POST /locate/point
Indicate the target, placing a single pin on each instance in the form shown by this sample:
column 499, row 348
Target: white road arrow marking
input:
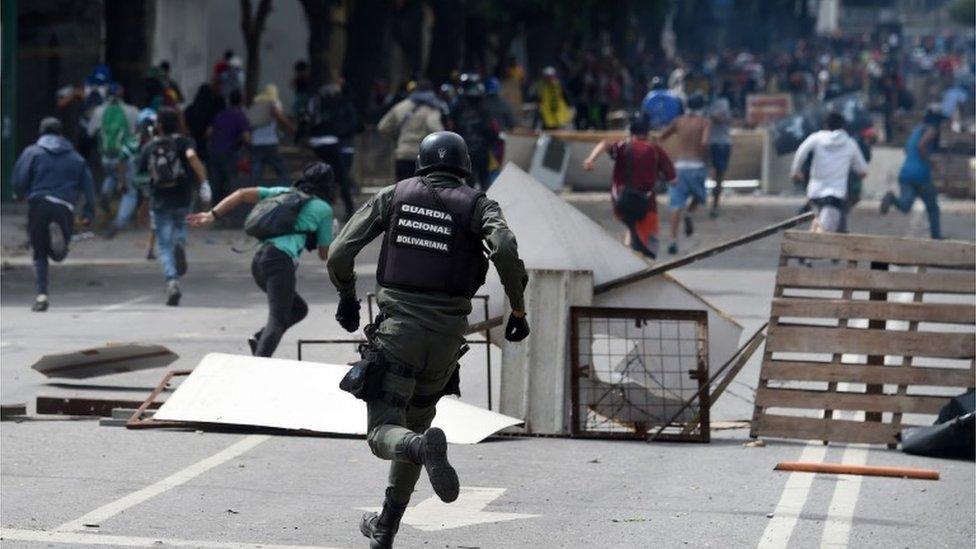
column 433, row 514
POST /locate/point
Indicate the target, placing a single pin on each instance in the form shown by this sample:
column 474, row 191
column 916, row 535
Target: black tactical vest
column 429, row 245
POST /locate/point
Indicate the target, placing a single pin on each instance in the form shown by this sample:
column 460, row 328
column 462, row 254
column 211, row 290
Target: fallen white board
column 101, row 361
column 552, row 234
column 299, row 395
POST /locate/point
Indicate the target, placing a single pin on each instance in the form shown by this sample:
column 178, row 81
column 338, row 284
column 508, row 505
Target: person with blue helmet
column 660, row 105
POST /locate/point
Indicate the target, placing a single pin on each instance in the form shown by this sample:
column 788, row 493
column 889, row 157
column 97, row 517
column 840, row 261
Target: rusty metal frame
column 138, row 421
column 699, row 374
column 485, row 325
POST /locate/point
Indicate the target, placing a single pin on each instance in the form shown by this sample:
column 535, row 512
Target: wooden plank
column 863, row 279
column 701, row 254
column 84, row 406
column 899, row 251
column 950, row 313
column 816, row 339
column 860, row 402
column 784, row 370
column 850, row 469
column 834, row 430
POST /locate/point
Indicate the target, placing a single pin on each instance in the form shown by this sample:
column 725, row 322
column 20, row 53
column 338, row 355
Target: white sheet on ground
column 300, row 395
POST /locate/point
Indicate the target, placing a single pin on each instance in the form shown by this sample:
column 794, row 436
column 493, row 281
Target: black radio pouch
column 365, row 377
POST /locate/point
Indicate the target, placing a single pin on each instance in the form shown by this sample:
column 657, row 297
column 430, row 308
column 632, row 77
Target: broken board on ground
column 299, row 395
column 101, row 361
column 552, row 234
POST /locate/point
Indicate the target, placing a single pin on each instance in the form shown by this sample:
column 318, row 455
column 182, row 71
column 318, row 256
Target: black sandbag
column 958, row 406
column 951, row 439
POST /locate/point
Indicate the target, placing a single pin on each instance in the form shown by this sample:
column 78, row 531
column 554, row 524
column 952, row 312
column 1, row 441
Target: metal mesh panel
column 633, row 369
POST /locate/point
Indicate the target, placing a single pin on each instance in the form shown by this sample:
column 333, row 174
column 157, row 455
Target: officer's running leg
column 403, row 475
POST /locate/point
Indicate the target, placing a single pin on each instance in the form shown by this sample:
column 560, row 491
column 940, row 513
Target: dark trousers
column 41, row 214
column 267, row 155
column 479, row 177
column 222, row 170
column 332, row 155
column 274, row 273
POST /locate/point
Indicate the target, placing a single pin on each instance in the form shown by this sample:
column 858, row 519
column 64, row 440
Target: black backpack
column 165, row 165
column 275, row 215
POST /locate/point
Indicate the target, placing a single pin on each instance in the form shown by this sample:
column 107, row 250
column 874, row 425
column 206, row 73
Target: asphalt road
column 72, row 483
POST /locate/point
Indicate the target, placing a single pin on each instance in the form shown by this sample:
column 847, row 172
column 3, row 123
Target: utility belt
column 365, row 378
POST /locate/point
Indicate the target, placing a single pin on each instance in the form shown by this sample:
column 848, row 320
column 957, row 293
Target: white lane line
column 180, row 477
column 124, row 304
column 88, row 540
column 780, row 527
column 840, row 516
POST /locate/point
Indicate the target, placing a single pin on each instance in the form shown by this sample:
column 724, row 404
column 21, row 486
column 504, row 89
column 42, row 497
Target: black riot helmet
column 444, row 151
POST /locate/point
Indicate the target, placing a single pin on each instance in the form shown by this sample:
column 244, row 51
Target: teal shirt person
column 275, row 263
column 315, row 216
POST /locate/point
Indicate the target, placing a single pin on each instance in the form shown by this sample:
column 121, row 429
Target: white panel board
column 115, row 358
column 300, row 395
column 549, row 162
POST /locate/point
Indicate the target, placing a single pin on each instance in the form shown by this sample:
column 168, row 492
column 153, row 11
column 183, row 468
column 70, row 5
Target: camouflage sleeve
column 366, row 224
column 502, row 250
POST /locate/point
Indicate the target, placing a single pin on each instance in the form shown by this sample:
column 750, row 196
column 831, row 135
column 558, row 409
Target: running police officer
column 438, row 237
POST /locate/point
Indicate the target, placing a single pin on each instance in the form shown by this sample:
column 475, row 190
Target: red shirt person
column 638, row 166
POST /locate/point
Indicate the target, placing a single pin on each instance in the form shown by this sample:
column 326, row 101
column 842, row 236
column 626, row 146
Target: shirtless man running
column 691, row 132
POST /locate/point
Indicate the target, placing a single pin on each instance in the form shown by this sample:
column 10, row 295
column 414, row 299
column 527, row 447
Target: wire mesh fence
column 633, row 370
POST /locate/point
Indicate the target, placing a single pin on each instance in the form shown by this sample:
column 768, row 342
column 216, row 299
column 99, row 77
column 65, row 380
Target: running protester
column 692, row 134
column 638, row 165
column 834, row 154
column 114, row 123
column 168, row 160
column 915, row 177
column 50, row 174
column 719, row 146
column 307, row 209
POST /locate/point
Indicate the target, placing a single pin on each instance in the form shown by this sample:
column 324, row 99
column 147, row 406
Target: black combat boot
column 381, row 528
column 430, row 450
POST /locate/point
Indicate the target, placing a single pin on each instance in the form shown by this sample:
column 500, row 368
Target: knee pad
column 373, row 442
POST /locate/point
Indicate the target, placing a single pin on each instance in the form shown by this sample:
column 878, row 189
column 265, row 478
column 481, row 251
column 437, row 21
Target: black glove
column 517, row 328
column 347, row 313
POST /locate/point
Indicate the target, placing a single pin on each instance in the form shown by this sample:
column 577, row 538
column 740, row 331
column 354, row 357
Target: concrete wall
column 746, row 161
column 180, row 36
column 193, row 35
column 284, row 41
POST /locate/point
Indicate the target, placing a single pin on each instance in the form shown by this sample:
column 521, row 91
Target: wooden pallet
column 832, row 325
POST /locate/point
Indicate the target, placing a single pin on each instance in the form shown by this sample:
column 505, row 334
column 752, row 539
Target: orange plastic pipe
column 869, row 470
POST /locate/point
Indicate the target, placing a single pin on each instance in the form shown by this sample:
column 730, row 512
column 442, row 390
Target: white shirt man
column 835, row 155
